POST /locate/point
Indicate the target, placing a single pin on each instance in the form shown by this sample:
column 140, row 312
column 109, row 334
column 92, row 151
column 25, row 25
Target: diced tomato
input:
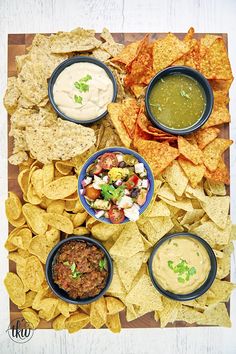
column 95, row 169
column 92, row 193
column 132, row 182
column 116, row 215
column 108, row 160
column 142, row 197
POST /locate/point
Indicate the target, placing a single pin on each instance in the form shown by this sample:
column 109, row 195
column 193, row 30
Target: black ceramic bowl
column 205, row 86
column 67, row 63
column 62, row 294
column 203, row 288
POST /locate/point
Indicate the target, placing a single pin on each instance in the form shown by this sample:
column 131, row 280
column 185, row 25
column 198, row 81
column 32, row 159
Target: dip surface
column 83, row 91
column 177, row 101
column 181, row 265
column 80, row 269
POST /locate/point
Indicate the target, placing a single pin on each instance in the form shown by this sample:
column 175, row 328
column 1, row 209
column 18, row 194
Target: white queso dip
column 83, row 91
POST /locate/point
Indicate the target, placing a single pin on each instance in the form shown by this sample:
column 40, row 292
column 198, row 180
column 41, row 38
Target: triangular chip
column 167, row 50
column 189, row 151
column 220, row 114
column 128, row 268
column 169, row 312
column 221, row 174
column 115, row 111
column 158, row 155
column 176, row 178
column 206, row 136
column 194, row 173
column 129, row 242
column 217, row 208
column 216, row 316
column 127, row 55
column 213, row 151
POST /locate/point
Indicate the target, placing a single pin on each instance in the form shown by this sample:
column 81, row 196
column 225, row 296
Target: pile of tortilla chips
column 51, row 210
column 190, row 177
column 141, row 61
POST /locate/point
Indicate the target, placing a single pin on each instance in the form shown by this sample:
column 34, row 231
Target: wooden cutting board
column 17, row 44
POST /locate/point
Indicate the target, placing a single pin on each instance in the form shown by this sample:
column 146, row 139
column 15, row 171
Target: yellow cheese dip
column 83, row 91
column 181, row 265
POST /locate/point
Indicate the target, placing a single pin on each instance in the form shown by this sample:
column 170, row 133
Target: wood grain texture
column 27, row 16
column 17, row 44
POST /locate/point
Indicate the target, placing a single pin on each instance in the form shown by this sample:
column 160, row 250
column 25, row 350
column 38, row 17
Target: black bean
column 134, row 193
column 122, row 164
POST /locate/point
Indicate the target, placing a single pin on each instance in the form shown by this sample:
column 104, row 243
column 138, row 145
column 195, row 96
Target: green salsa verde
column 177, row 101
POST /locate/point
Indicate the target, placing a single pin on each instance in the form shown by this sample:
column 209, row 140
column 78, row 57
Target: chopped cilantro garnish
column 157, row 105
column 110, row 192
column 78, row 99
column 75, row 273
column 81, row 84
column 184, row 272
column 184, row 94
column 102, row 263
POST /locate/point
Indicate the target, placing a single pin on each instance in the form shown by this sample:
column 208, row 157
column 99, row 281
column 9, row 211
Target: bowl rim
column 195, row 74
column 123, row 150
column 199, row 291
column 62, row 294
column 65, row 64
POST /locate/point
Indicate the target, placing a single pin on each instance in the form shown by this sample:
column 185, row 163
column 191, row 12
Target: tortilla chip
column 76, row 322
column 221, row 174
column 129, row 115
column 115, row 111
column 223, row 267
column 206, row 136
column 12, row 95
column 158, row 155
column 78, row 40
column 169, row 312
column 217, row 188
column 140, row 70
column 144, row 294
column 194, row 173
column 113, row 323
column 189, row 315
column 155, row 228
column 116, row 287
column 176, row 178
column 213, row 151
column 15, row 288
column 159, row 209
column 215, row 62
column 220, row 291
column 128, row 54
column 189, row 151
column 216, row 316
column 220, row 115
column 217, row 209
column 60, row 141
column 128, row 268
column 129, row 242
column 110, row 45
column 167, row 50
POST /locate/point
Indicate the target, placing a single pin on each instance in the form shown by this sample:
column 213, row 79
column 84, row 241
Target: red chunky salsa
column 80, row 269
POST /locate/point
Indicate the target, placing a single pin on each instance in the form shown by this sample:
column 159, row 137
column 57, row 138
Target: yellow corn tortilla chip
column 34, row 273
column 34, row 217
column 176, row 178
column 155, row 228
column 213, row 151
column 194, row 173
column 113, row 323
column 61, row 187
column 216, row 316
column 58, row 221
column 223, row 267
column 29, row 298
column 13, row 206
column 216, row 188
column 129, row 242
column 21, row 238
column 59, row 323
column 113, row 305
column 159, row 208
column 116, row 287
column 189, row 315
column 128, row 268
column 103, row 232
column 220, row 291
column 78, row 40
column 167, row 50
column 115, row 111
column 127, row 55
column 217, row 208
column 31, row 317
column 144, row 294
column 76, row 322
column 166, row 192
column 169, row 312
column 15, row 288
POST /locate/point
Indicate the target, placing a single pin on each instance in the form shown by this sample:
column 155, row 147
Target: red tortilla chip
column 189, row 151
column 158, row 155
column 221, row 174
column 140, row 70
column 215, row 64
column 205, row 136
column 219, row 115
column 128, row 54
column 213, row 152
column 167, row 50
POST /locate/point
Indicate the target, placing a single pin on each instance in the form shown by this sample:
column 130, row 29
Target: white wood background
column 25, row 16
